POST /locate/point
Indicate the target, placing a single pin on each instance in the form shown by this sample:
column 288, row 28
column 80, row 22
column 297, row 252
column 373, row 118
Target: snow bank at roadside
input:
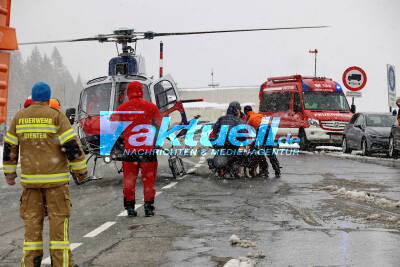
column 236, row 241
column 362, row 196
column 240, row 262
column 334, row 148
column 250, row 259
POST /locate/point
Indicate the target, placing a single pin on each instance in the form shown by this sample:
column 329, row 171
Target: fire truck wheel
column 304, row 143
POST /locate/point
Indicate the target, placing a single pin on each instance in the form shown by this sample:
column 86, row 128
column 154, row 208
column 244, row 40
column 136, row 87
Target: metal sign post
column 315, row 52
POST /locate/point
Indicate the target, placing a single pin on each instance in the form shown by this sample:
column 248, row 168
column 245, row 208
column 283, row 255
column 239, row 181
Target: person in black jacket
column 220, row 162
column 232, row 118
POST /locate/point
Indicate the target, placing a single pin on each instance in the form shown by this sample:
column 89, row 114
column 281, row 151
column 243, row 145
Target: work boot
column 149, row 208
column 130, row 207
column 131, row 212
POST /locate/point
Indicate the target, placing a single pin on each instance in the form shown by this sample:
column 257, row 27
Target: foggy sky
column 362, row 33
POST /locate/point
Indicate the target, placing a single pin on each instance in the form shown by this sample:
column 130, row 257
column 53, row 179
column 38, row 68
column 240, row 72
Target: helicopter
column 106, row 93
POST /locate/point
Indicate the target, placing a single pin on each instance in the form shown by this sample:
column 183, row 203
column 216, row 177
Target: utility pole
column 213, row 84
column 315, row 52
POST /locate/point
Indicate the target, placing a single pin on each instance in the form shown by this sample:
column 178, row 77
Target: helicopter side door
column 165, row 95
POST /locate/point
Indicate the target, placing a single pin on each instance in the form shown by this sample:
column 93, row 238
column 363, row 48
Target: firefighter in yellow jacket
column 48, row 149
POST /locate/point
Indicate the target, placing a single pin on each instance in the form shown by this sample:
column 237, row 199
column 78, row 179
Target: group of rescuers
column 41, row 138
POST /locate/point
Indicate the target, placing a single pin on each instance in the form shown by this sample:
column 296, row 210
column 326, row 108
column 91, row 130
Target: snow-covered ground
column 334, row 148
column 221, row 88
column 356, row 155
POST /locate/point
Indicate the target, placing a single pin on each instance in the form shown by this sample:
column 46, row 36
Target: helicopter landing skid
column 93, row 176
column 119, row 170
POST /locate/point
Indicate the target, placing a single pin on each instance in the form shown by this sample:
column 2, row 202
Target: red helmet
column 135, row 90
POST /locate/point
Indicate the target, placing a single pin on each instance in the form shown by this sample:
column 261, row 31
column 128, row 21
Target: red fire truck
column 314, row 109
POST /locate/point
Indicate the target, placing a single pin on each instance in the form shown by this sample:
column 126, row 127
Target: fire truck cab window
column 165, row 95
column 121, row 93
column 96, row 98
column 325, row 101
column 275, row 102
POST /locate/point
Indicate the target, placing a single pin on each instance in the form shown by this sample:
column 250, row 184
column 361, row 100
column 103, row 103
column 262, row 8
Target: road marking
column 100, row 229
column 47, row 261
column 190, row 171
column 123, row 214
column 170, row 185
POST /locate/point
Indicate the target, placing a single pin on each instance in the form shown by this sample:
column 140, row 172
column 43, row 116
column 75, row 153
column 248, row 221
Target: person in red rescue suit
column 139, row 156
column 48, row 149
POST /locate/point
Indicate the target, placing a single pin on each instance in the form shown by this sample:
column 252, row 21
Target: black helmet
column 247, row 109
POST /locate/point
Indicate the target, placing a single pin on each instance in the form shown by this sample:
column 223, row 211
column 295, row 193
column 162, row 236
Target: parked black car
column 369, row 132
column 394, row 140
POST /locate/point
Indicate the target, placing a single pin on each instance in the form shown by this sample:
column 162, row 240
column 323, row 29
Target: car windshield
column 96, row 98
column 121, row 96
column 376, row 120
column 325, row 101
column 275, row 102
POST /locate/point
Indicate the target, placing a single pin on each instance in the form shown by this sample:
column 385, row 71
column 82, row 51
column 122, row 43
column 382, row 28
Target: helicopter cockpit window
column 121, row 95
column 96, row 98
column 122, row 68
column 165, row 95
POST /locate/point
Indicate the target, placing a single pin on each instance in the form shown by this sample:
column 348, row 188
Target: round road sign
column 354, row 78
column 391, row 79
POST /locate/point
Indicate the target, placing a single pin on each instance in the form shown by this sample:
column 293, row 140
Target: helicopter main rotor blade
column 132, row 36
column 97, row 38
column 242, row 30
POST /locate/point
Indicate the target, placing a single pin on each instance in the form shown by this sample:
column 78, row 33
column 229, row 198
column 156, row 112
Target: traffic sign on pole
column 391, row 78
column 354, row 78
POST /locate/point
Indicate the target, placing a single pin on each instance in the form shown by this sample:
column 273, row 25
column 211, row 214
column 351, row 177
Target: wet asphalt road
column 293, row 220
